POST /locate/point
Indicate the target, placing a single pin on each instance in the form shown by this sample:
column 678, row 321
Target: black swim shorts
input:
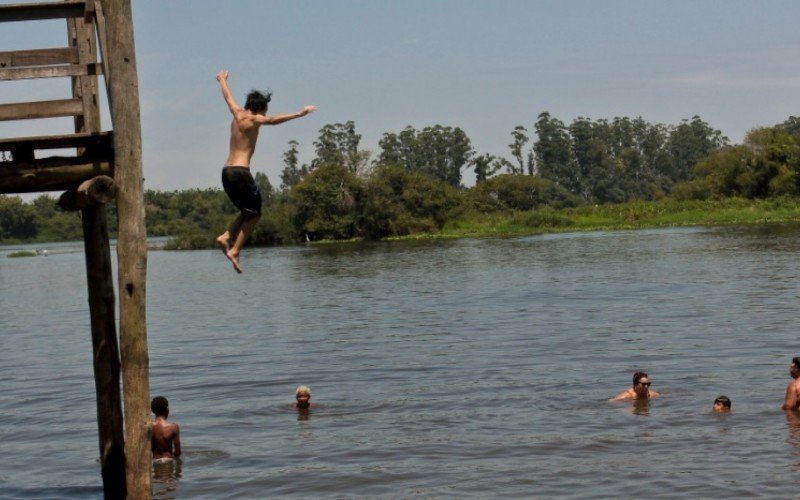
column 242, row 190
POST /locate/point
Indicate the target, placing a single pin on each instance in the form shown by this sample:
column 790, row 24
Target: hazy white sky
column 482, row 65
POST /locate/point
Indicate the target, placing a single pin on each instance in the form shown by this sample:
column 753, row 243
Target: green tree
column 519, row 192
column 338, row 144
column 517, row 146
column 327, row 202
column 17, row 219
column 486, row 165
column 553, row 154
column 688, row 143
column 399, row 202
column 265, row 186
column 292, row 172
column 438, row 151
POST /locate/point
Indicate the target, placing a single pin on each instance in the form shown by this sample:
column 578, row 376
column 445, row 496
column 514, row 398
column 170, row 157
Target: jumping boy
column 236, row 178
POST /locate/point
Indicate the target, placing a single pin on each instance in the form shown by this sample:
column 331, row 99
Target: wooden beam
column 96, row 191
column 100, row 140
column 106, row 350
column 49, row 174
column 102, row 41
column 39, row 57
column 41, row 11
column 119, row 59
column 81, row 34
column 50, row 71
column 41, row 109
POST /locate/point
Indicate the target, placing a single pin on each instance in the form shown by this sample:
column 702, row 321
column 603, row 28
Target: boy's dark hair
column 638, row 376
column 159, row 405
column 725, row 400
column 258, row 101
column 796, row 362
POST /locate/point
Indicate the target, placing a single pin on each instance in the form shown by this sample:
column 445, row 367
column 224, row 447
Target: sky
column 485, row 66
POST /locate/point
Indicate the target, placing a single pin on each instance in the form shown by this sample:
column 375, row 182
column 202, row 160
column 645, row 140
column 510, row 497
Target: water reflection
column 303, row 414
column 166, row 475
column 641, row 407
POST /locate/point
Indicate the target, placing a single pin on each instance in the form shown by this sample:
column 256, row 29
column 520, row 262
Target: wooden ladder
column 25, row 170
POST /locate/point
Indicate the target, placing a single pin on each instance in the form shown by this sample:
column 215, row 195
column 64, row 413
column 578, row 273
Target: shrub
column 519, row 192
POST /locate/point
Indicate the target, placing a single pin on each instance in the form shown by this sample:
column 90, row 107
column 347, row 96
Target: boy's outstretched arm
column 278, row 119
column 222, row 78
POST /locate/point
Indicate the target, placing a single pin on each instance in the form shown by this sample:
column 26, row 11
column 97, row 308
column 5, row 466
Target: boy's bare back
column 166, row 440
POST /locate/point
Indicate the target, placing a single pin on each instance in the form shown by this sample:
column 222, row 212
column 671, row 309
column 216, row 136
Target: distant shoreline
column 625, row 216
column 612, row 217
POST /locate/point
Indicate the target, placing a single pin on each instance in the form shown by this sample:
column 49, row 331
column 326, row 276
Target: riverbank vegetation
column 590, row 174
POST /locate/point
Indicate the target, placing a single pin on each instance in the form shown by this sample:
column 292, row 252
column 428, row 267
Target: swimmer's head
column 637, row 377
column 796, row 364
column 258, row 101
column 303, row 395
column 641, row 384
column 722, row 403
column 160, row 406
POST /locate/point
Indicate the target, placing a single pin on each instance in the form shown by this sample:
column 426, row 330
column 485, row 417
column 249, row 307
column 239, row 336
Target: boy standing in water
column 166, row 436
column 792, row 399
column 236, row 178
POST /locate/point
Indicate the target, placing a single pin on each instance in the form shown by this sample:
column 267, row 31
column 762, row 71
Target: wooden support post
column 120, row 59
column 105, row 348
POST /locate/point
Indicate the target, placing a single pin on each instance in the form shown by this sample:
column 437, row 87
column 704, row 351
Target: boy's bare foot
column 224, row 243
column 234, row 260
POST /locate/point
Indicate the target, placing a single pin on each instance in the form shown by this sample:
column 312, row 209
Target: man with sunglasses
column 640, row 389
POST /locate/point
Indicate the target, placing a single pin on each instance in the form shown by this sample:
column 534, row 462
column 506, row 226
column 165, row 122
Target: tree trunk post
column 106, row 351
column 123, row 85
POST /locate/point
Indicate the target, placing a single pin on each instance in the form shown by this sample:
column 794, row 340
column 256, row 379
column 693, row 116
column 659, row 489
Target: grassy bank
column 634, row 215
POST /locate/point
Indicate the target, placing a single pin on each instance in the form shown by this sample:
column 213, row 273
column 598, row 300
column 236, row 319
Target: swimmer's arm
column 222, row 78
column 278, row 119
column 176, row 442
column 654, row 394
column 790, row 402
column 621, row 396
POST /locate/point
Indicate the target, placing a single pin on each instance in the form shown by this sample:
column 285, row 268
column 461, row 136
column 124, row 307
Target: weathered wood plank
column 81, row 34
column 41, row 109
column 41, row 11
column 39, row 57
column 99, row 139
column 102, row 42
column 50, row 72
column 49, row 174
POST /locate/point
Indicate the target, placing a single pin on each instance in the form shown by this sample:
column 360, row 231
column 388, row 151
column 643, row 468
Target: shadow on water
column 641, row 407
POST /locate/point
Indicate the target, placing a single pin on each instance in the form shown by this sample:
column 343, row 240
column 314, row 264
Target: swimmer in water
column 722, row 404
column 640, row 389
column 166, row 437
column 792, row 399
column 302, row 396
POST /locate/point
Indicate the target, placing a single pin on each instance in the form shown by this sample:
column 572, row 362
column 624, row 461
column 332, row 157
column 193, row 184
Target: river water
column 468, row 368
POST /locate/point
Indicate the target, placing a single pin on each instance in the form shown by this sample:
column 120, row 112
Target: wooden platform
column 25, row 173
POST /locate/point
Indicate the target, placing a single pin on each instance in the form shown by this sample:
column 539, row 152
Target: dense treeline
column 414, row 182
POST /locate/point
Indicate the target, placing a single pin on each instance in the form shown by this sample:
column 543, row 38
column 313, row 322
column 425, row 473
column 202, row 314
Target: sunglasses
column 645, row 384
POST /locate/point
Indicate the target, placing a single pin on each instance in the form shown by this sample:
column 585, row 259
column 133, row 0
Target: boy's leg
column 226, row 239
column 246, row 227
